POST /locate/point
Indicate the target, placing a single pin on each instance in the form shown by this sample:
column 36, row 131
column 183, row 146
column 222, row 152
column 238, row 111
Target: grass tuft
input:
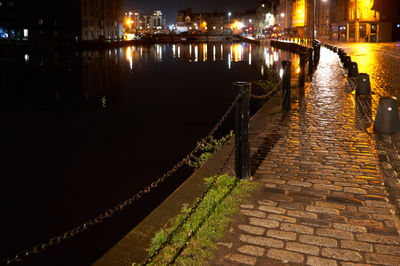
column 207, row 224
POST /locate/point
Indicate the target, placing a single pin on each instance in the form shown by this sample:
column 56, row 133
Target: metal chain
column 265, row 96
column 41, row 247
column 192, row 210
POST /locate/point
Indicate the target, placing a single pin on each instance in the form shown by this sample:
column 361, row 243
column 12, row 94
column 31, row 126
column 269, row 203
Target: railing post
column 310, row 61
column 242, row 118
column 286, row 66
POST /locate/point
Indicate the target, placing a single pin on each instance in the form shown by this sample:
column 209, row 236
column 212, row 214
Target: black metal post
column 286, row 65
column 310, row 61
column 242, row 117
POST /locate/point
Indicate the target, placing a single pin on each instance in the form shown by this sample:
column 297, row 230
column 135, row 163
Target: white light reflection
column 276, row 56
column 179, row 52
column 262, row 70
column 26, row 57
column 214, row 52
column 196, row 53
column 222, row 52
column 141, row 52
column 173, row 50
column 250, row 54
column 229, row 60
column 190, row 50
column 281, row 73
column 129, row 57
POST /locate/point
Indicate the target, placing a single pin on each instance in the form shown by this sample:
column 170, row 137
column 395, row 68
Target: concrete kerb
column 134, row 246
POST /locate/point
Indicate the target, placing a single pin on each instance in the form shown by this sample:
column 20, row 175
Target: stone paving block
column 251, row 250
column 318, row 240
column 261, row 241
column 251, row 229
column 334, row 233
column 331, row 218
column 356, row 215
column 344, row 199
column 313, row 222
column 328, row 187
column 297, row 228
column 379, row 204
column 383, row 231
column 273, row 180
column 239, row 258
column 253, row 213
column 272, row 209
column 374, row 238
column 300, row 206
column 382, row 217
column 268, row 202
column 382, row 259
column 284, row 235
column 299, row 184
column 302, row 214
column 341, row 254
column 388, row 249
column 285, row 256
column 316, row 261
column 302, row 248
column 330, row 205
column 318, row 209
column 247, row 206
column 366, row 222
column 356, row 245
column 375, row 210
column 349, row 227
column 282, row 218
column 268, row 223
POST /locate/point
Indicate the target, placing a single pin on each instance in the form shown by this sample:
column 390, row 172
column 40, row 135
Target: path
column 323, row 199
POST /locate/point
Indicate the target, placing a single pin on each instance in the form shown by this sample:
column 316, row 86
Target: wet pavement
column 323, row 197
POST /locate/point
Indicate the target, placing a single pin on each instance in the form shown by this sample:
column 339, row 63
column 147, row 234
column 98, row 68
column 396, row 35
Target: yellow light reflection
column 204, row 52
column 237, row 52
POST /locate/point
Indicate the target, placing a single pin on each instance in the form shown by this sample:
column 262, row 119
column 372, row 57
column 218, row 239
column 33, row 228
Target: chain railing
column 41, row 247
column 268, row 94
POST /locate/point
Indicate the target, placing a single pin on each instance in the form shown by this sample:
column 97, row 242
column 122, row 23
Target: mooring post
column 310, row 61
column 242, row 118
column 286, row 66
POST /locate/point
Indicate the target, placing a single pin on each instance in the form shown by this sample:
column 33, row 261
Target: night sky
column 171, row 7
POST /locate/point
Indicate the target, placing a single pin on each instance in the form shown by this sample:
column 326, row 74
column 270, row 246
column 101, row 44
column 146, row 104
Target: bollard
column 353, row 70
column 286, row 65
column 343, row 57
column 363, row 84
column 387, row 117
column 242, row 117
column 310, row 61
column 347, row 61
column 302, row 77
column 335, row 49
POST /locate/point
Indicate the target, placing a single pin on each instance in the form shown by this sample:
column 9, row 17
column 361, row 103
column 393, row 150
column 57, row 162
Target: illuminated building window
column 1, row 3
column 26, row 33
column 365, row 12
column 352, row 14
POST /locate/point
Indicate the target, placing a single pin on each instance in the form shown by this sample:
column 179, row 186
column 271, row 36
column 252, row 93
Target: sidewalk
column 322, row 197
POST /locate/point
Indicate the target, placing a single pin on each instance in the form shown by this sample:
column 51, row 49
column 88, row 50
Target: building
column 61, row 20
column 389, row 20
column 145, row 23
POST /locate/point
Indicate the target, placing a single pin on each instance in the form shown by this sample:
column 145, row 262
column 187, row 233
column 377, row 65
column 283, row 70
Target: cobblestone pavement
column 323, row 199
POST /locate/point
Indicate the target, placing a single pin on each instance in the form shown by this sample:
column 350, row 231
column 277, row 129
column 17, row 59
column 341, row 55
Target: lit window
column 26, row 33
column 1, row 3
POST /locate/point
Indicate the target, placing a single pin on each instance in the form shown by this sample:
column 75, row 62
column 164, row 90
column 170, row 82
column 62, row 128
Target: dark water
column 84, row 131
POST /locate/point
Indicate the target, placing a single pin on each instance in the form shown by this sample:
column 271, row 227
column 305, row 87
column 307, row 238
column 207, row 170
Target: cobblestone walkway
column 323, row 199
